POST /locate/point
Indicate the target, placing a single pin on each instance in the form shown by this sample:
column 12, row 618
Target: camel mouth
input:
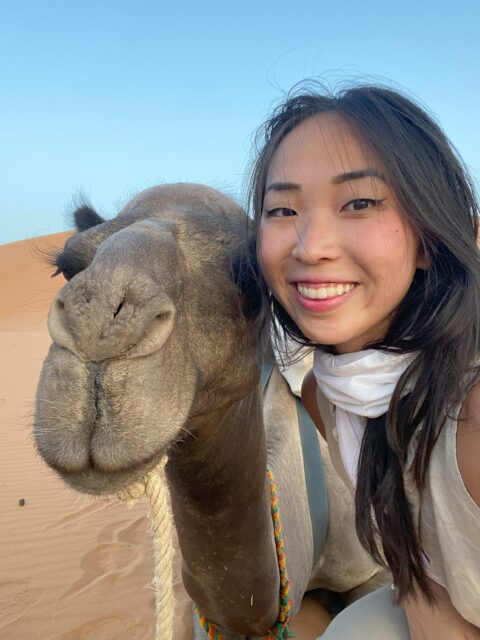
column 99, row 467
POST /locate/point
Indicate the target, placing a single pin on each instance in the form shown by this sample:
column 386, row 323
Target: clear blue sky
column 110, row 97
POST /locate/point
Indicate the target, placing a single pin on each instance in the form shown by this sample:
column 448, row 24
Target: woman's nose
column 317, row 239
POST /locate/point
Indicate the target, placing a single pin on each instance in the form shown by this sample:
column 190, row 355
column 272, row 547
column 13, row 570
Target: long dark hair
column 439, row 316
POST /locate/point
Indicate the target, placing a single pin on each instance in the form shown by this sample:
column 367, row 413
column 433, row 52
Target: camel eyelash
column 49, row 257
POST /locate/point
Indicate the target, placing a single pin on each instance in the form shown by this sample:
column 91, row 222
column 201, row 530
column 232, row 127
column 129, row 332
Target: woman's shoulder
column 468, row 442
column 450, row 507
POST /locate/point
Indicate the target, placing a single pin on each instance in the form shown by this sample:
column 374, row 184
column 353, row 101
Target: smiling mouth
column 323, row 292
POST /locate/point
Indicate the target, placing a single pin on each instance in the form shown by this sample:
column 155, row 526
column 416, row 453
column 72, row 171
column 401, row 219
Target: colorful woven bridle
column 280, row 630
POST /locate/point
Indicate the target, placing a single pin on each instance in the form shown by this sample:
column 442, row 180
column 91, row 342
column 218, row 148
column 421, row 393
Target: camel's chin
column 99, row 483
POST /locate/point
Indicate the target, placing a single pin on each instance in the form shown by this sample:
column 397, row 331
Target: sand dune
column 72, row 567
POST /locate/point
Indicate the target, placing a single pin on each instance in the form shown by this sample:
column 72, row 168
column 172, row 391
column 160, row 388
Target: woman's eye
column 279, row 212
column 361, row 204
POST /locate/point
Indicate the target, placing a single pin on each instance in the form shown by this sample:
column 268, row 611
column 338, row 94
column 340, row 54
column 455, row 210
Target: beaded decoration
column 279, row 631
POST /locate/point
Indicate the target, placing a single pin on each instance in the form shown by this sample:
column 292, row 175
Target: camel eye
column 68, row 275
column 66, row 267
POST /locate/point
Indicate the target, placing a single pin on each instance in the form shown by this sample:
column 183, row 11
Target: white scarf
column 360, row 385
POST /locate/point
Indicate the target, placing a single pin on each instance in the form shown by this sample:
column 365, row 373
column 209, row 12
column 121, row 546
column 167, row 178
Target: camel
column 157, row 349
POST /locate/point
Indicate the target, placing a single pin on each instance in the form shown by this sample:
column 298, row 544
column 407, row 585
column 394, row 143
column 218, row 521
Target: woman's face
column 334, row 247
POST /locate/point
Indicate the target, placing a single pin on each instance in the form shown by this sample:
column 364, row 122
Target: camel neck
column 227, row 448
column 221, row 505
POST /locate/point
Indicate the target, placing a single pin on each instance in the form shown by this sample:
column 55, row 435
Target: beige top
column 449, row 518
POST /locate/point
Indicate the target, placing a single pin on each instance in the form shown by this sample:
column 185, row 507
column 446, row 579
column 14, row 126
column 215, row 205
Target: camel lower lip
column 96, row 480
column 98, row 483
column 322, row 305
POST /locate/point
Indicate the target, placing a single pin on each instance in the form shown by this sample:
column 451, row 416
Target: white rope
column 154, row 488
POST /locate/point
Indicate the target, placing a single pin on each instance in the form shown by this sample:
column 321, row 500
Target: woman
column 366, row 225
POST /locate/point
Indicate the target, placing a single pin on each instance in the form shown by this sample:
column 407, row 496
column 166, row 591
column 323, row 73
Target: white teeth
column 321, row 293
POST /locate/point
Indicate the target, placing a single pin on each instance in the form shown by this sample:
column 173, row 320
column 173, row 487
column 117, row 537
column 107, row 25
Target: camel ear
column 246, row 275
column 86, row 217
column 423, row 259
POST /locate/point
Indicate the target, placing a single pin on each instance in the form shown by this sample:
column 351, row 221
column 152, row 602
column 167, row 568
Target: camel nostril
column 58, row 325
column 157, row 331
column 119, row 308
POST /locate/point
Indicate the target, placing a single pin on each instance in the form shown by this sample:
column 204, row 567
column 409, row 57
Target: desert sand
column 72, row 567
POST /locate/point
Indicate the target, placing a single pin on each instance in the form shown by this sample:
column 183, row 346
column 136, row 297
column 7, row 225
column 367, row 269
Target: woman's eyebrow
column 340, row 179
column 283, row 186
column 358, row 175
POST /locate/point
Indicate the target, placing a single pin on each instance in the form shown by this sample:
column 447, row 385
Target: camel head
column 151, row 335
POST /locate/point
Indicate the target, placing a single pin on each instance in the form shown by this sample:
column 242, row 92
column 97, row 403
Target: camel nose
column 102, row 321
